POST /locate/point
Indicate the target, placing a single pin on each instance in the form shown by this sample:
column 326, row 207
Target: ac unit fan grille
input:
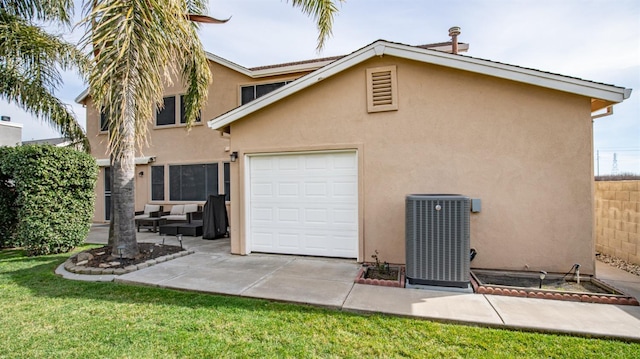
column 437, row 239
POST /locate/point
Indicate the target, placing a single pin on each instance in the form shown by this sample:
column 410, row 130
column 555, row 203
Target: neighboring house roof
column 291, row 67
column 603, row 94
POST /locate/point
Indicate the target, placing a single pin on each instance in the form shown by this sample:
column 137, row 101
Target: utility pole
column 598, row 162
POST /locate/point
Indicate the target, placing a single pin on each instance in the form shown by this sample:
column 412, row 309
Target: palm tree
column 137, row 45
column 30, row 58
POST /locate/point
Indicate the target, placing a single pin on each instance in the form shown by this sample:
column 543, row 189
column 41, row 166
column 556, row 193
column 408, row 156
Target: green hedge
column 47, row 197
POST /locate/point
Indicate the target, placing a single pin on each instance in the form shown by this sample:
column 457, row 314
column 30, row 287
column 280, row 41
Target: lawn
column 44, row 316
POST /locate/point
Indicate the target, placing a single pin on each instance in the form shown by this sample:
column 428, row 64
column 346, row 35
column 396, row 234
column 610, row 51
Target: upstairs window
column 183, row 117
column 104, row 125
column 252, row 92
column 167, row 116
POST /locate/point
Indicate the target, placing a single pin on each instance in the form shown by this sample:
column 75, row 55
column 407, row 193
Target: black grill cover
column 214, row 218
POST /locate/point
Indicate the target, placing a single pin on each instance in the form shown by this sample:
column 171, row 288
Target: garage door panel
column 313, row 209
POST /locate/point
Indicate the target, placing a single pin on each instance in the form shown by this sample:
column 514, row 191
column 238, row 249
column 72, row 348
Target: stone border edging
column 73, row 268
column 360, row 279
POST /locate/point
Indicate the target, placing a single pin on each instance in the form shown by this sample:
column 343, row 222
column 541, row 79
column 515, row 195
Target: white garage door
column 304, row 204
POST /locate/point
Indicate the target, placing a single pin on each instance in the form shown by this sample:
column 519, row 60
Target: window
column 183, row 117
column 167, row 115
column 252, row 92
column 227, row 182
column 193, row 182
column 104, row 125
column 157, row 183
column 382, row 93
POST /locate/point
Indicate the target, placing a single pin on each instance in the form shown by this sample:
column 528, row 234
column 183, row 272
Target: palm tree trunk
column 123, row 192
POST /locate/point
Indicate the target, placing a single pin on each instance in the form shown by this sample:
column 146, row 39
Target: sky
column 596, row 40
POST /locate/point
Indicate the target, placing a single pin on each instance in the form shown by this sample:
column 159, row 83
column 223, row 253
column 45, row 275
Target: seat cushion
column 148, row 208
column 175, row 217
column 177, row 209
column 188, row 208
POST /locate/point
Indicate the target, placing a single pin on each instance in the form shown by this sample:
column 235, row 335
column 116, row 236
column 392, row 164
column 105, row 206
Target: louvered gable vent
column 382, row 89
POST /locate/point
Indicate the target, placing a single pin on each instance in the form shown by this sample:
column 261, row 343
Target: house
column 324, row 163
column 10, row 132
column 180, row 166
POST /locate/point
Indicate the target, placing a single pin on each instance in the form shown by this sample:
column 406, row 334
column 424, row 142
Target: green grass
column 44, row 316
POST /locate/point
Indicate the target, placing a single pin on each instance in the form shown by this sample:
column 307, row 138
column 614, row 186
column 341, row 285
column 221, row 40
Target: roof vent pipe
column 454, row 32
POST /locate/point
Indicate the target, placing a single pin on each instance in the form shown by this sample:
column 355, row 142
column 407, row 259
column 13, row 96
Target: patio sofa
column 181, row 213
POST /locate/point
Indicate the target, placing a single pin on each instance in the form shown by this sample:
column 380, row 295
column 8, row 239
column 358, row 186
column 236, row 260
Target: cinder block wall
column 618, row 219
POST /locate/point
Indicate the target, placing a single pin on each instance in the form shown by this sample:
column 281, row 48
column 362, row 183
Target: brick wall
column 618, row 219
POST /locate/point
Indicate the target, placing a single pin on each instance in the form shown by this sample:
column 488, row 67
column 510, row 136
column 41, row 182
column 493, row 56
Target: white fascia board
column 104, row 162
column 514, row 73
column 82, row 96
column 226, row 63
column 295, row 86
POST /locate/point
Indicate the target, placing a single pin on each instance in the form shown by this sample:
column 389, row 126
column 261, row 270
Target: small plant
column 381, row 267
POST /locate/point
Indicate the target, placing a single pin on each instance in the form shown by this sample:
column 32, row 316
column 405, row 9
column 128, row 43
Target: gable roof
column 256, row 72
column 602, row 95
column 291, row 67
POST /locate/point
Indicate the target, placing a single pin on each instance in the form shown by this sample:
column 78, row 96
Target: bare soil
column 102, row 257
column 376, row 273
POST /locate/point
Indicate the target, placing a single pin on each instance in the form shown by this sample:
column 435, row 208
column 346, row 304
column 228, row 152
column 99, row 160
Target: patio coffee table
column 151, row 223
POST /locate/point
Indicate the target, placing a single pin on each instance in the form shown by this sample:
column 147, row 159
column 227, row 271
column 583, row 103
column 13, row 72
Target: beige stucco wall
column 618, row 219
column 526, row 152
column 174, row 144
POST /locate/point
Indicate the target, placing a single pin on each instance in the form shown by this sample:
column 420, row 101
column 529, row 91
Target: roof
column 256, row 72
column 291, row 67
column 49, row 141
column 603, row 94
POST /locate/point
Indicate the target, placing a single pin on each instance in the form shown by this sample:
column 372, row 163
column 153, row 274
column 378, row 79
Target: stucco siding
column 172, row 145
column 523, row 150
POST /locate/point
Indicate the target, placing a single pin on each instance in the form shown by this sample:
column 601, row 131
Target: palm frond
column 30, row 61
column 35, row 98
column 138, row 46
column 45, row 10
column 323, row 12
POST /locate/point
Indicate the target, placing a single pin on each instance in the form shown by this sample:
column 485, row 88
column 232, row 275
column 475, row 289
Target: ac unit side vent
column 438, row 240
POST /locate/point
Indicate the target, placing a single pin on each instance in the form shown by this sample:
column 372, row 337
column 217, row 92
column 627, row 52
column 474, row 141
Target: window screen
column 157, row 183
column 227, row 182
column 183, row 117
column 167, row 115
column 193, row 182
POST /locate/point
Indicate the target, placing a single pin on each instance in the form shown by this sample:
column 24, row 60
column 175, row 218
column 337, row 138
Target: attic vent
column 382, row 94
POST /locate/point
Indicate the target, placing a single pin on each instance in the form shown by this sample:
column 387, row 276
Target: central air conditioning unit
column 438, row 240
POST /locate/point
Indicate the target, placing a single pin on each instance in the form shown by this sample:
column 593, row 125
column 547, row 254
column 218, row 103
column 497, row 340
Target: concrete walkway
column 329, row 283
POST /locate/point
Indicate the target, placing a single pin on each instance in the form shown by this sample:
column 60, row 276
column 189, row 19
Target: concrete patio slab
column 607, row 320
column 213, row 280
column 329, row 283
column 284, row 286
column 322, row 268
column 430, row 304
column 624, row 281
